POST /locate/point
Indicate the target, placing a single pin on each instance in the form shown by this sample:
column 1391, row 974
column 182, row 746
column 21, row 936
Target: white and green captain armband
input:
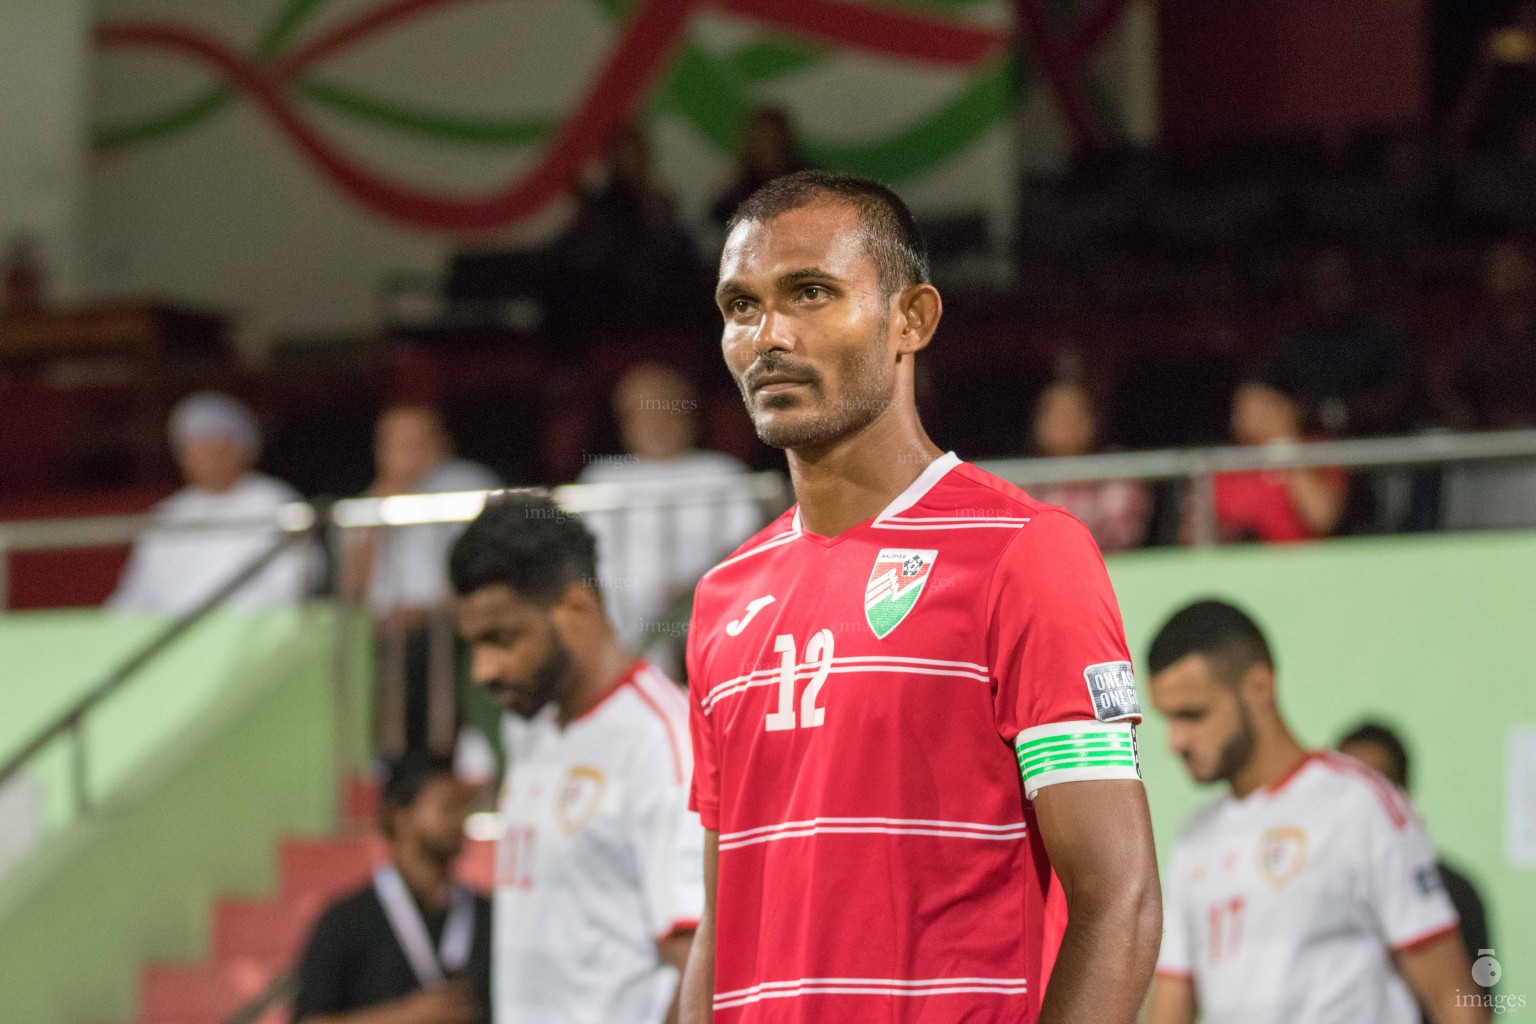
column 1074, row 751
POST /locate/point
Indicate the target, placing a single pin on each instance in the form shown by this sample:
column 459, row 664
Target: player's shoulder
column 651, row 711
column 761, row 543
column 1354, row 792
column 968, row 491
column 972, row 492
column 1046, row 537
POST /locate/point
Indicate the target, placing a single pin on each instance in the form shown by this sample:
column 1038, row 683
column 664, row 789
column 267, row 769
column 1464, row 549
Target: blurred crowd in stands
column 1257, row 292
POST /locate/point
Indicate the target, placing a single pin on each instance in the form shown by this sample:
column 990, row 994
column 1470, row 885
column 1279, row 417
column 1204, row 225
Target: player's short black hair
column 1385, row 738
column 1221, row 632
column 524, row 541
column 890, row 232
column 408, row 775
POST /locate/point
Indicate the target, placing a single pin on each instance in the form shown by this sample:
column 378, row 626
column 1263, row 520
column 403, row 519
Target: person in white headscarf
column 216, row 443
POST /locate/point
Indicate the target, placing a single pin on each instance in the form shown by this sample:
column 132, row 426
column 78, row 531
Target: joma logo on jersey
column 895, row 583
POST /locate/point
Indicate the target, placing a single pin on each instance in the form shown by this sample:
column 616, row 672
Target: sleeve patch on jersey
column 1112, row 689
column 1075, row 751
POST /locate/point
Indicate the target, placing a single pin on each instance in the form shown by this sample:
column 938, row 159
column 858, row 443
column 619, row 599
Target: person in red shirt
column 1281, row 504
column 1066, row 426
column 912, row 709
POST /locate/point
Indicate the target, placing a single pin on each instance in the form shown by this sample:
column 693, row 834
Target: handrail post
column 341, row 664
column 79, row 768
column 1202, row 506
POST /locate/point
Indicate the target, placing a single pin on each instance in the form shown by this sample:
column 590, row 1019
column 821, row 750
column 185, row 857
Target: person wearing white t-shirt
column 216, row 443
column 1307, row 894
column 599, row 878
column 651, row 557
column 402, row 573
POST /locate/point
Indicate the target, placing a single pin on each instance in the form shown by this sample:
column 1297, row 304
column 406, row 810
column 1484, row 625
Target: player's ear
column 918, row 308
column 1259, row 685
column 579, row 601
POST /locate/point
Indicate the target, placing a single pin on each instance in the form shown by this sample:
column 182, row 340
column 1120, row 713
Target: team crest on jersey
column 578, row 798
column 1282, row 853
column 895, row 584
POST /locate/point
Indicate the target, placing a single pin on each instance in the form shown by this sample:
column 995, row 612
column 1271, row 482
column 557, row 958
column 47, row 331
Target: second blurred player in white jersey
column 1308, row 893
column 599, row 879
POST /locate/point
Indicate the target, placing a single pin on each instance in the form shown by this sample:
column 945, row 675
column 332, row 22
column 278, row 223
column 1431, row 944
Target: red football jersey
column 863, row 707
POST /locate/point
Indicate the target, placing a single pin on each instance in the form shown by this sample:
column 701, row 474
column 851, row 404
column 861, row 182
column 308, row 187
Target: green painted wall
column 1436, row 635
column 248, row 761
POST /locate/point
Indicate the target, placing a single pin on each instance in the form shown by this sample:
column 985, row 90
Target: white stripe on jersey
column 950, row 523
column 852, row 663
column 868, row 987
column 877, row 826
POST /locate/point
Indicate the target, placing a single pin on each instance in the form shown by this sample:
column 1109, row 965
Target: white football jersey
column 599, row 858
column 1285, row 907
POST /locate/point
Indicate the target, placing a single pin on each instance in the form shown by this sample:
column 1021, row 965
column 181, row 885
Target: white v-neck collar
column 931, row 475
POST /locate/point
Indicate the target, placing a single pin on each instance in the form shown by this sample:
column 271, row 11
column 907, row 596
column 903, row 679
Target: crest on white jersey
column 1282, row 854
column 579, row 796
column 895, row 584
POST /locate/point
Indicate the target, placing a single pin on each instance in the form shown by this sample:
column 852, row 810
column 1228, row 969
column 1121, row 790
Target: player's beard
column 1237, row 751
column 549, row 681
column 867, row 382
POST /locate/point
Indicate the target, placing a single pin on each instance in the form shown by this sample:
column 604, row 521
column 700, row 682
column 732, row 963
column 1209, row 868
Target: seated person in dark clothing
column 626, row 262
column 1352, row 369
column 1493, row 384
column 413, row 946
column 1497, row 108
column 1378, row 747
column 768, row 151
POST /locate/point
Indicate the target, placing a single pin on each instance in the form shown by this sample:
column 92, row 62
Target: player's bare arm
column 697, row 995
column 1437, row 973
column 1172, row 1001
column 1098, row 834
column 673, row 951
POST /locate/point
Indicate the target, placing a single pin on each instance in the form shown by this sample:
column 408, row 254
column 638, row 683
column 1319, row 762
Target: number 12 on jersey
column 818, row 656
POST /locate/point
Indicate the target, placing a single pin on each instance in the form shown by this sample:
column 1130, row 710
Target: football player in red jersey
column 912, row 708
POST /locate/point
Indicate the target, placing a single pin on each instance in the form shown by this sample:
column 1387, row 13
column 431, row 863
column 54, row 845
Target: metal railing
column 622, row 502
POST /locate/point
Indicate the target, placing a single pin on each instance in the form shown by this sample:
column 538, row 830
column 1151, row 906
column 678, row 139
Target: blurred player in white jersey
column 1308, row 893
column 599, row 866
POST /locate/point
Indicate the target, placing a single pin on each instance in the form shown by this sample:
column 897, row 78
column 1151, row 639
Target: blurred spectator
column 22, row 276
column 1352, row 371
column 650, row 558
column 1493, row 386
column 768, row 151
column 413, row 946
column 1282, row 504
column 1115, row 511
column 1497, row 109
column 626, row 263
column 216, row 442
column 402, row 573
column 1381, row 749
